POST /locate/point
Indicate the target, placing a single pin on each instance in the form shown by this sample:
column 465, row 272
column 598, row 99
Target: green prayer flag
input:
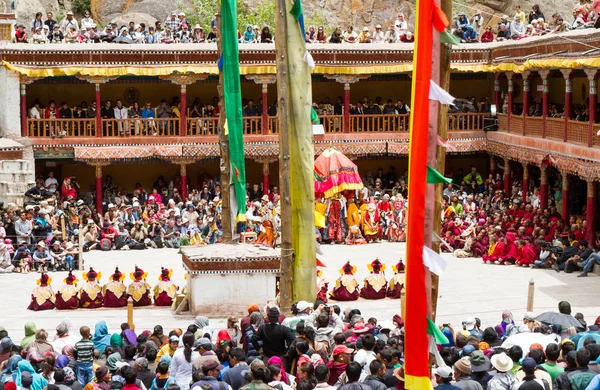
column 296, row 9
column 449, row 38
column 314, row 118
column 233, row 103
column 438, row 336
column 434, row 177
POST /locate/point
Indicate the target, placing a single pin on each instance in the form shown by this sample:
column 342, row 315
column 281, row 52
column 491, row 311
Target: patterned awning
column 115, row 153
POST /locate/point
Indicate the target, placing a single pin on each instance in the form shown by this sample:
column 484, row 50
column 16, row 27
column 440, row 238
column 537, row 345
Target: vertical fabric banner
column 301, row 155
column 233, row 104
column 416, row 369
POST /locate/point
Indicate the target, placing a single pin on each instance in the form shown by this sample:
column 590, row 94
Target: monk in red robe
column 165, row 291
column 511, row 253
column 346, row 286
column 397, row 281
column 527, row 254
column 66, row 296
column 375, row 285
column 42, row 297
column 90, row 295
column 480, row 247
column 114, row 291
column 495, row 250
column 139, row 289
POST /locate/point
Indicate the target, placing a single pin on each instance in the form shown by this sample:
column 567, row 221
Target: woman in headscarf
column 10, row 371
column 38, row 383
column 69, row 352
column 37, row 350
column 275, row 360
column 129, row 337
column 30, row 330
column 101, row 337
column 204, row 330
column 111, row 362
column 116, row 342
column 158, row 337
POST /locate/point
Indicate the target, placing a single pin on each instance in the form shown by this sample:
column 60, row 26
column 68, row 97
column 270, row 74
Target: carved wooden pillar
column 526, row 93
column 347, row 80
column 264, row 80
column 565, row 197
column 25, row 80
column 545, row 102
column 507, row 186
column 97, row 80
column 183, row 80
column 568, row 100
column 591, row 75
column 525, row 181
column 509, row 93
column 497, row 91
column 543, row 186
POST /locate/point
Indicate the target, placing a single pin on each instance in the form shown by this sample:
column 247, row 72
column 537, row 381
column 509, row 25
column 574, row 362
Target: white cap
column 303, row 305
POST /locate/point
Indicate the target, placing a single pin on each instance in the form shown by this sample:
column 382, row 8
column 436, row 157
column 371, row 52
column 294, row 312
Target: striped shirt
column 84, row 351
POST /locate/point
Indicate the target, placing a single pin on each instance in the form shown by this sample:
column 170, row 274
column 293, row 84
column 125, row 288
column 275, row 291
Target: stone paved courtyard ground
column 468, row 288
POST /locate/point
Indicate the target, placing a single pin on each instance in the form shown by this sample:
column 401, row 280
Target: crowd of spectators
column 317, row 347
column 473, row 29
column 176, row 29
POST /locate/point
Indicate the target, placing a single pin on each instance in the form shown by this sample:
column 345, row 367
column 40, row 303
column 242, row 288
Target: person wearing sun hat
column 139, row 289
column 114, row 290
column 480, row 365
column 66, row 296
column 165, row 291
column 346, row 286
column 42, row 297
column 503, row 378
column 90, row 294
column 462, row 375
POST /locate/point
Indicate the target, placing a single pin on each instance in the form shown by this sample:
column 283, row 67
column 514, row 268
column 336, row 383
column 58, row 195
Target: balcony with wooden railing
column 516, row 124
column 534, row 126
column 555, row 128
column 577, row 132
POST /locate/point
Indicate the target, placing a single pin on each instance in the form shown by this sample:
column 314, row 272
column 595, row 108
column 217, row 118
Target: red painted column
column 98, row 118
column 525, row 181
column 545, row 101
column 23, row 110
column 183, row 109
column 509, row 93
column 507, row 186
column 497, row 92
column 99, row 189
column 265, row 109
column 591, row 73
column 568, row 100
column 266, row 180
column 591, row 213
column 525, row 100
column 184, row 186
column 565, row 197
column 544, row 187
column 346, row 107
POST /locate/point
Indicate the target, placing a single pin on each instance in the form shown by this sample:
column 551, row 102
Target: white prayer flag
column 439, row 94
column 309, row 60
column 432, row 260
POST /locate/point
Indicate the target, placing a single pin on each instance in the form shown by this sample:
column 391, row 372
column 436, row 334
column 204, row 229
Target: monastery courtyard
column 467, row 288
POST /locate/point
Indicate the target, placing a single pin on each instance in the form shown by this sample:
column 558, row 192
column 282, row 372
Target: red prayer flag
column 440, row 21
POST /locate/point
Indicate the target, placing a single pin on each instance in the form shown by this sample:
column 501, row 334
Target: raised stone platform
column 223, row 278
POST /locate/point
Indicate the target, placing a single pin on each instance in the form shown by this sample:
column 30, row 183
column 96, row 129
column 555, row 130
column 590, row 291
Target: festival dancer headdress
column 44, row 280
column 165, row 274
column 117, row 276
column 376, row 266
column 92, row 275
column 348, row 269
column 71, row 279
column 138, row 274
column 398, row 268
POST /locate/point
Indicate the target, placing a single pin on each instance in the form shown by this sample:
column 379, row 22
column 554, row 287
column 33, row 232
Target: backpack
column 105, row 244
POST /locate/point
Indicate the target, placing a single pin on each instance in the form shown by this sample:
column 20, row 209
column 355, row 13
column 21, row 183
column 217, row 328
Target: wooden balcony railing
column 534, row 126
column 555, row 128
column 378, row 123
column 503, row 122
column 140, row 127
column 516, row 124
column 202, row 126
column 577, row 131
column 59, row 128
column 465, row 121
column 333, row 123
column 596, row 138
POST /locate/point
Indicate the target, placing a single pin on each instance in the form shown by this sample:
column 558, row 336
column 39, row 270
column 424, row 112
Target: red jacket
column 47, row 112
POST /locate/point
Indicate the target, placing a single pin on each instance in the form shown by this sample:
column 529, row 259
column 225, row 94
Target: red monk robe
column 90, row 295
column 495, row 250
column 527, row 254
column 66, row 296
column 139, row 289
column 165, row 291
column 511, row 253
column 375, row 285
column 397, row 281
column 346, row 286
column 322, row 287
column 114, row 291
column 42, row 297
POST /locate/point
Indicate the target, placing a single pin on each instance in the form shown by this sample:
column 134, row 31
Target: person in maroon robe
column 346, row 286
column 90, row 295
column 165, row 291
column 527, row 254
column 480, row 247
column 322, row 287
column 115, row 291
column 495, row 250
column 396, row 285
column 42, row 297
column 66, row 296
column 375, row 284
column 511, row 253
column 139, row 289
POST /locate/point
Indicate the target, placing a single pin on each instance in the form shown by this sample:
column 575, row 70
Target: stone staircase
column 16, row 177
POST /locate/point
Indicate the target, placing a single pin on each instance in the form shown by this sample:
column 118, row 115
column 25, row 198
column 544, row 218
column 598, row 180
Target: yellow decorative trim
column 417, row 382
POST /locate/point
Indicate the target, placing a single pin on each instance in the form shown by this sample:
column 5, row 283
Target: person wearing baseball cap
column 211, row 370
column 342, row 355
column 303, row 309
column 443, row 377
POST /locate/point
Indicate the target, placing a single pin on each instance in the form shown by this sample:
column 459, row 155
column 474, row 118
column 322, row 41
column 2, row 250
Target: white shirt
column 364, row 358
column 34, row 113
column 62, row 342
column 181, row 369
column 377, row 38
column 51, row 184
column 87, row 23
column 120, row 113
column 402, row 25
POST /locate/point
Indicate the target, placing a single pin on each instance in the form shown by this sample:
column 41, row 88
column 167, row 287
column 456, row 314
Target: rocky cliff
column 330, row 13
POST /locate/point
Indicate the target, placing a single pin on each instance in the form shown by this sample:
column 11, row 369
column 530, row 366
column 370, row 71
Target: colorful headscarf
column 101, row 337
column 277, row 361
column 130, row 336
column 116, row 340
column 39, row 382
column 62, row 361
column 69, row 376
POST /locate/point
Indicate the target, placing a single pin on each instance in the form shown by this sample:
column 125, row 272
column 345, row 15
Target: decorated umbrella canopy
column 335, row 173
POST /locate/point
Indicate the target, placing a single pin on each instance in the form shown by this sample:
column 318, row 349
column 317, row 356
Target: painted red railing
column 59, row 128
column 577, row 132
column 503, row 122
column 555, row 128
column 516, row 124
column 534, row 126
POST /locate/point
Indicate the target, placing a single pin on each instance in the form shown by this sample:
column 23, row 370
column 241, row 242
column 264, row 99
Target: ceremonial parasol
column 335, row 173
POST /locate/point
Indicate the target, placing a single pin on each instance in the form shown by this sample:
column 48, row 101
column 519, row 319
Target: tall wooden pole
column 444, row 83
column 225, row 162
column 285, row 203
